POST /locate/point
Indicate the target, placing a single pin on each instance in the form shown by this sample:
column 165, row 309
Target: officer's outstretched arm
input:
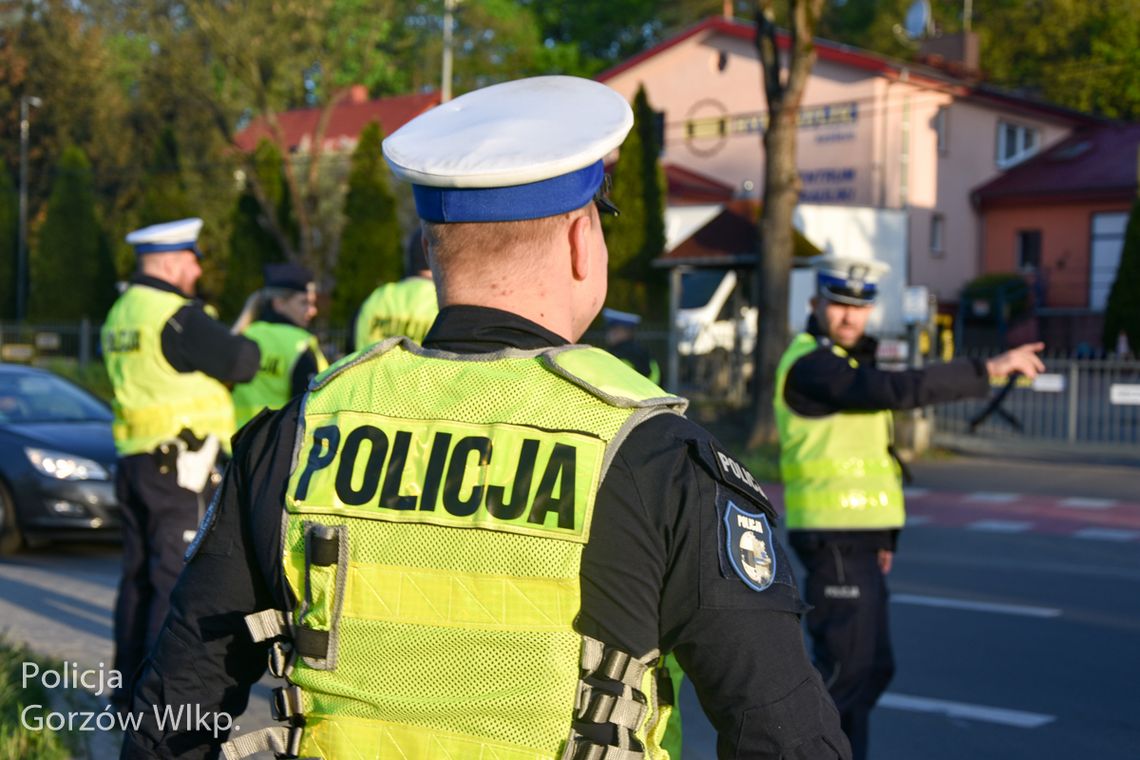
column 204, row 661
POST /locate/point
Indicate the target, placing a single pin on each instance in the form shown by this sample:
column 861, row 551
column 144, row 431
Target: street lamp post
column 22, row 243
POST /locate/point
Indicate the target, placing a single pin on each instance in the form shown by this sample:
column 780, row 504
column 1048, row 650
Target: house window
column 1029, row 249
column 1015, row 143
column 941, row 126
column 937, row 235
column 1105, row 245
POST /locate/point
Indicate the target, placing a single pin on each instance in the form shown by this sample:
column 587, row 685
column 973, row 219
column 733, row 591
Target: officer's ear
column 581, row 238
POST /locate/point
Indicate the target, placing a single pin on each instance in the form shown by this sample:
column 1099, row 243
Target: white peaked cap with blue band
column 519, row 150
column 181, row 235
column 847, row 279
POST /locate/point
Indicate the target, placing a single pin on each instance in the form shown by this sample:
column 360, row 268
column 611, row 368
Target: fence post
column 672, row 360
column 84, row 343
column 1074, row 396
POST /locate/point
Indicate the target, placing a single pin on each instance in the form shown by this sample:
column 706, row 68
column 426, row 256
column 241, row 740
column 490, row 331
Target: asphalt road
column 1016, row 613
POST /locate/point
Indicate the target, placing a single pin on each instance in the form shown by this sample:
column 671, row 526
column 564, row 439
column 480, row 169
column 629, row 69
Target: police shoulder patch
column 749, row 546
column 728, row 470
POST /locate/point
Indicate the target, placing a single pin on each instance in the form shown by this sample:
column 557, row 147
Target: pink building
column 874, row 131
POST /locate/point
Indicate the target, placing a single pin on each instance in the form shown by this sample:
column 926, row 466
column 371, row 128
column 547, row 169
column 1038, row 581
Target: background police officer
column 167, row 360
column 290, row 354
column 622, row 342
column 842, row 489
column 483, row 545
column 406, row 308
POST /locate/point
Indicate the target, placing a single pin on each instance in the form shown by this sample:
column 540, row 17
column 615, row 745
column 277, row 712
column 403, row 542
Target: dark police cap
column 288, row 276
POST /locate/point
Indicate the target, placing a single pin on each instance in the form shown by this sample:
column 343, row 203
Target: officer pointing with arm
column 842, row 487
column 290, row 354
column 167, row 360
column 484, row 546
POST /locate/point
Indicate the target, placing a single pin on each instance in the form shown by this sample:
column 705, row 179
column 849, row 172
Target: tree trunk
column 773, row 269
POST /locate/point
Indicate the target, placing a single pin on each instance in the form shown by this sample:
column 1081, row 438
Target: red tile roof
column 874, row 63
column 687, row 186
column 345, row 124
column 1093, row 163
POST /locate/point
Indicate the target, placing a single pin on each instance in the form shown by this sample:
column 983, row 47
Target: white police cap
column 181, row 235
column 518, row 150
column 849, row 280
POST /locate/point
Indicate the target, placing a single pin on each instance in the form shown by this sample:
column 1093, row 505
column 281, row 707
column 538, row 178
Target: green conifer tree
column 1122, row 313
column 164, row 197
column 251, row 245
column 72, row 274
column 371, row 245
column 637, row 237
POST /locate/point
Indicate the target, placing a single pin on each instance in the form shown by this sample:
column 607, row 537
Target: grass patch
column 16, row 741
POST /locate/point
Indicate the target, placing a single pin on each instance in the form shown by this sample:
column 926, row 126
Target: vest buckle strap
column 581, row 748
column 287, row 705
column 281, row 659
column 281, row 741
column 266, row 625
column 619, row 710
column 619, row 666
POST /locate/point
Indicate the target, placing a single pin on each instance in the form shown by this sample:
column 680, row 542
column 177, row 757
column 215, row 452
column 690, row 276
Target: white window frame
column 1021, row 147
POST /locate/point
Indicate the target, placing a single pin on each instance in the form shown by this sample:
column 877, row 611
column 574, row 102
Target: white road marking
column 1001, row 526
column 913, row 520
column 1106, row 534
column 1080, row 502
column 965, row 604
column 915, row 493
column 1005, row 717
column 993, row 497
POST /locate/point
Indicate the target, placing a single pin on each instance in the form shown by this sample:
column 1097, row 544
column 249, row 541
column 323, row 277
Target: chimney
column 357, row 94
column 960, row 48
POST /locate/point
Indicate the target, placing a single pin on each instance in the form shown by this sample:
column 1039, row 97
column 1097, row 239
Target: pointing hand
column 1022, row 359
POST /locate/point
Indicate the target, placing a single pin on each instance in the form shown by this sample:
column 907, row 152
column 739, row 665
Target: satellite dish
column 918, row 19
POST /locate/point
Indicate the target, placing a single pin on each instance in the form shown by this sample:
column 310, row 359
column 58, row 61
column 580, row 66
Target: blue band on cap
column 189, row 245
column 533, row 200
column 867, row 290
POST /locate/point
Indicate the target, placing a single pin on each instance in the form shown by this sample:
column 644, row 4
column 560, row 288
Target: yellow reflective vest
column 281, row 346
column 838, row 473
column 433, row 534
column 404, row 308
column 153, row 401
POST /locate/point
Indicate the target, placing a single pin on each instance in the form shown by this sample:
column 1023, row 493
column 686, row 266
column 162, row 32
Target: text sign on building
column 916, row 305
column 1123, row 394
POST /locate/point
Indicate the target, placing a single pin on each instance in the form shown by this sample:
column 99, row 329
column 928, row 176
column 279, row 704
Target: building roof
column 728, row 240
column 345, row 123
column 1093, row 163
column 689, row 187
column 965, row 86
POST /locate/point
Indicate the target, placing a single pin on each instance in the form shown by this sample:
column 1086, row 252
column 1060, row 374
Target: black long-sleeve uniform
column 845, row 584
column 157, row 514
column 653, row 576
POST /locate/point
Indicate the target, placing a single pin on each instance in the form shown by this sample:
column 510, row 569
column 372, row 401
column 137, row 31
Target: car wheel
column 11, row 539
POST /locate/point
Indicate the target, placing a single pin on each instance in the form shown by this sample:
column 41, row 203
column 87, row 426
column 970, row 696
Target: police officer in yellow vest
column 407, row 307
column 482, row 546
column 168, row 361
column 290, row 354
column 621, row 341
column 842, row 489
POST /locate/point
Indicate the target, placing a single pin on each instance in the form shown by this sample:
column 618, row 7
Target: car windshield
column 39, row 397
column 698, row 287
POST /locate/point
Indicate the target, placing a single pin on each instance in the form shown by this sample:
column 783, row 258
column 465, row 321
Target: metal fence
column 1076, row 401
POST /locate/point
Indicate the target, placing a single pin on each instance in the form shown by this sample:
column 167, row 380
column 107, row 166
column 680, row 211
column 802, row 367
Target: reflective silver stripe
column 281, row 741
column 267, row 624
